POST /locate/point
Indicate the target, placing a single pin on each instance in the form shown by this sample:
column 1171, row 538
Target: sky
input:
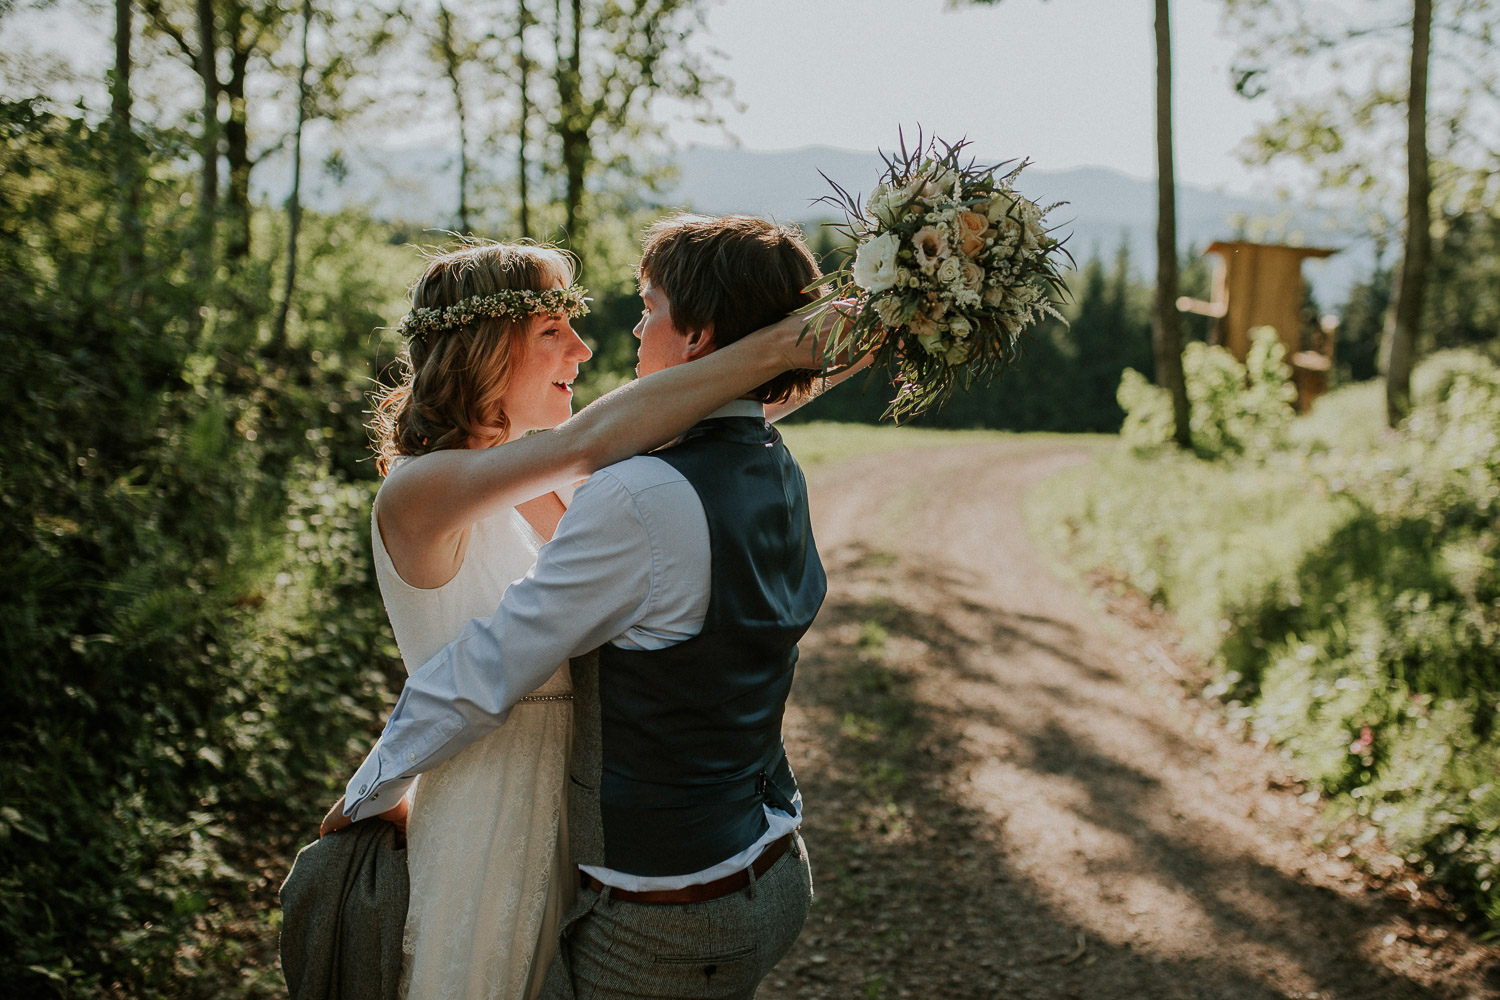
column 1066, row 82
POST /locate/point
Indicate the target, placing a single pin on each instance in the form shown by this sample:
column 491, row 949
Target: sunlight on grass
column 1201, row 537
column 1343, row 589
column 819, row 443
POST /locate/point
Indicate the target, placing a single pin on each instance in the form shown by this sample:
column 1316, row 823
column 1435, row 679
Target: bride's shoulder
column 410, row 476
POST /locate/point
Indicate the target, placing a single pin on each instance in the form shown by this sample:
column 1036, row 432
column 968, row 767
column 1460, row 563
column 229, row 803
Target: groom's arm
column 590, row 584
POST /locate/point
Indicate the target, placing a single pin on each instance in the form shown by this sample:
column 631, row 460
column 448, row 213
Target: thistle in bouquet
column 951, row 266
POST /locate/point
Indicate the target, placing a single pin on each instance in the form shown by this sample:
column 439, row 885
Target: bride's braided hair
column 451, row 380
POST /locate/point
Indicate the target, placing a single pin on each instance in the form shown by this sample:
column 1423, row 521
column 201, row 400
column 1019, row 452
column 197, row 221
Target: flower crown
column 512, row 304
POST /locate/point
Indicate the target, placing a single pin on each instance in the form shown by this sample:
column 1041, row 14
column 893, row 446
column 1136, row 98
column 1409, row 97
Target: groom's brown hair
column 736, row 272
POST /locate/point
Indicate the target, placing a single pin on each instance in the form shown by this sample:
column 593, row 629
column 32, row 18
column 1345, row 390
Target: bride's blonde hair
column 451, row 379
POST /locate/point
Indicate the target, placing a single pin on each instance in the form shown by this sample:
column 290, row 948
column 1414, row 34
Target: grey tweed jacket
column 343, row 909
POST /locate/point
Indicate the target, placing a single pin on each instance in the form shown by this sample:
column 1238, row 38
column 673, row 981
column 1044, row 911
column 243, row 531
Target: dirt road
column 1010, row 796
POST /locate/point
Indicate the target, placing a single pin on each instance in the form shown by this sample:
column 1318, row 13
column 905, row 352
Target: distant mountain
column 1105, row 208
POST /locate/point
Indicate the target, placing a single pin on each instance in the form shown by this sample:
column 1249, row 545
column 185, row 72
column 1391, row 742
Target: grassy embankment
column 1344, row 591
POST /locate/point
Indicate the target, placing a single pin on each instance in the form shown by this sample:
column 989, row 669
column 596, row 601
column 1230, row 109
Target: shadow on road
column 921, row 890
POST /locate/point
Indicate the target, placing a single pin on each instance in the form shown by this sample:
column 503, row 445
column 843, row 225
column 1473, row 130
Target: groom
column 679, row 582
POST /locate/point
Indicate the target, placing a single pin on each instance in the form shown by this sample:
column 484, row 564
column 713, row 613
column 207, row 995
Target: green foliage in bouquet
column 951, row 268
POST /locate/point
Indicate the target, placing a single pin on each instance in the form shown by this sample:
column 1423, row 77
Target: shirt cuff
column 374, row 789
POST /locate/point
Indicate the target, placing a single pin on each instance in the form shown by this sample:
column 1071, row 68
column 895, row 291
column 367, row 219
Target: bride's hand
column 335, row 820
column 802, row 340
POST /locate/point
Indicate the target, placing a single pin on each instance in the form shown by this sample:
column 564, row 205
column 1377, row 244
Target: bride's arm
column 827, row 324
column 432, row 499
column 775, row 411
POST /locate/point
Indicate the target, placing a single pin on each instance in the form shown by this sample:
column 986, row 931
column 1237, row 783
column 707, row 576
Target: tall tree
column 1409, row 75
column 610, row 61
column 1411, row 283
column 294, row 198
column 236, row 33
column 572, row 124
column 127, row 160
column 454, row 52
column 205, row 64
column 1166, row 327
column 524, row 20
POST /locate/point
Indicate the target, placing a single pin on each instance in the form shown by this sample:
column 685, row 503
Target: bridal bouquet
column 951, row 265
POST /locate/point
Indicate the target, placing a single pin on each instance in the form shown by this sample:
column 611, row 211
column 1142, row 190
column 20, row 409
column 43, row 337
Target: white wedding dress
column 487, row 839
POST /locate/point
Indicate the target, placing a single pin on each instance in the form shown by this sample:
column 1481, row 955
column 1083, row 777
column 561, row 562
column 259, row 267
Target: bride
column 469, row 497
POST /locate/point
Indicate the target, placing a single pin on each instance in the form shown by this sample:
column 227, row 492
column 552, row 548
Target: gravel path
column 1008, row 794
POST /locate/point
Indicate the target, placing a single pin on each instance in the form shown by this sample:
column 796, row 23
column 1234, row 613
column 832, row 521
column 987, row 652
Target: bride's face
column 540, row 393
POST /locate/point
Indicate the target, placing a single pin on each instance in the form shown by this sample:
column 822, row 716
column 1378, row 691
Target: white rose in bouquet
column 882, row 205
column 973, row 278
column 950, row 271
column 999, row 206
column 887, row 203
column 875, row 264
column 890, row 311
column 958, row 353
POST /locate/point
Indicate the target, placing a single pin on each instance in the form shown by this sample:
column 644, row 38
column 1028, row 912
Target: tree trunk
column 294, row 198
column 1166, row 328
column 237, row 152
column 523, row 72
column 208, row 181
column 573, row 128
column 1411, row 284
column 127, row 165
column 453, row 64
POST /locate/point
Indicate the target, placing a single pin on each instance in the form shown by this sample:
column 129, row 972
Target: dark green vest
column 678, row 749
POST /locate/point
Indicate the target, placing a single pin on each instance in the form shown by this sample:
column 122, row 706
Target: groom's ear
column 698, row 343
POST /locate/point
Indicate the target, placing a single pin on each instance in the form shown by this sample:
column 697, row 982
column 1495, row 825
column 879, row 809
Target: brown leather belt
column 704, row 891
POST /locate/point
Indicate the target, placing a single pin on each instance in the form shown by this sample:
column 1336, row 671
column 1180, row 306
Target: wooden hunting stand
column 1260, row 284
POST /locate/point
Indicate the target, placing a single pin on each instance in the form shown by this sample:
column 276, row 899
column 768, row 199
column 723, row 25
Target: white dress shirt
column 629, row 565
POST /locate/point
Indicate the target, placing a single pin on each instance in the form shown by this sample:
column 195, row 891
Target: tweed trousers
column 719, row 950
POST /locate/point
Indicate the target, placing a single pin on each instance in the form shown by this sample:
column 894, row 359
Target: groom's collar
column 739, row 408
column 734, row 409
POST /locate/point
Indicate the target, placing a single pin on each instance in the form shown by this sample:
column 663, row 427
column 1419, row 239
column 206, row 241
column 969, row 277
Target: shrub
column 1349, row 598
column 190, row 633
column 1235, row 409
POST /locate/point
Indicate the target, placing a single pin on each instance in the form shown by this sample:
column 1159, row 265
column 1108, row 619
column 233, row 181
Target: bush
column 193, row 642
column 1349, row 599
column 1235, row 409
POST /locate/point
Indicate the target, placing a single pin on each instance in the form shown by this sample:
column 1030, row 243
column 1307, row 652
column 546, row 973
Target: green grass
column 1200, row 537
column 818, row 443
column 1346, row 591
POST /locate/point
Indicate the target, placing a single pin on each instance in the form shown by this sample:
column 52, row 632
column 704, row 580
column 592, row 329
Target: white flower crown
column 511, row 304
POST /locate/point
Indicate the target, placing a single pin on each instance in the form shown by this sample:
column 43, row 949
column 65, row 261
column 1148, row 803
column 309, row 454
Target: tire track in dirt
column 1007, row 796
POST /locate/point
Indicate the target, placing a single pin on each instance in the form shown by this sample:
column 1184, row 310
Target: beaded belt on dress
column 549, row 697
